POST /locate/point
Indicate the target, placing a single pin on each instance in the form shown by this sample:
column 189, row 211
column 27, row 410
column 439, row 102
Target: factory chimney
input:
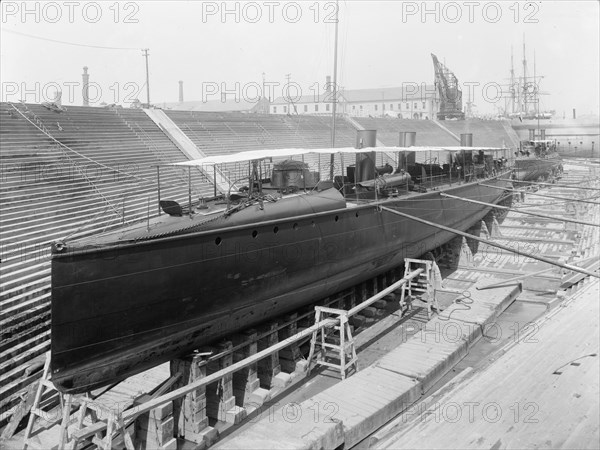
column 180, row 91
column 574, row 114
column 85, row 90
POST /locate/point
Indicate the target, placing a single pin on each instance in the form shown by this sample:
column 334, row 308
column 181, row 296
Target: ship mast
column 334, row 100
column 512, row 81
column 536, row 96
column 524, row 87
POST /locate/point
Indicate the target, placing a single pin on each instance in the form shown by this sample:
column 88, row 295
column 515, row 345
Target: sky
column 215, row 46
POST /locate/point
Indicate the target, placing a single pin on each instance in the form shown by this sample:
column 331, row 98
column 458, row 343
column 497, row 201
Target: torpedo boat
column 537, row 160
column 129, row 299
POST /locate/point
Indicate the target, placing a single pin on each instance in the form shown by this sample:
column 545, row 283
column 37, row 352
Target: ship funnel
column 531, row 134
column 542, row 134
column 407, row 139
column 365, row 162
column 85, row 89
column 466, row 140
column 366, row 138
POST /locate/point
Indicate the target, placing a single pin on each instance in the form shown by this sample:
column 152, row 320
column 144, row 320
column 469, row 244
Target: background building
column 407, row 102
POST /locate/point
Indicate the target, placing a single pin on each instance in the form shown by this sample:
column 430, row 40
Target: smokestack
column 407, row 139
column 574, row 114
column 466, row 140
column 85, row 90
column 531, row 134
column 365, row 162
column 542, row 134
column 180, row 91
column 328, row 84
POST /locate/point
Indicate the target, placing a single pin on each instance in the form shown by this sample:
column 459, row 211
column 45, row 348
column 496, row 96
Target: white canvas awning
column 282, row 153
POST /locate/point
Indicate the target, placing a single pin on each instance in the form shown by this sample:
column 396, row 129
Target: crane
column 450, row 93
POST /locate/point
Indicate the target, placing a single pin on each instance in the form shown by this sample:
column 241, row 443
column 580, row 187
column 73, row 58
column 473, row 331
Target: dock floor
column 543, row 393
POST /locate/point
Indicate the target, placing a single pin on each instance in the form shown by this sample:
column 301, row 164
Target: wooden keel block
column 189, row 411
column 268, row 367
column 219, row 395
column 291, row 355
column 245, row 381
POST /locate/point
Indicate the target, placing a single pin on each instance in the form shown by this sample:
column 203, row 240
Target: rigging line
column 494, row 244
column 564, row 219
column 68, row 43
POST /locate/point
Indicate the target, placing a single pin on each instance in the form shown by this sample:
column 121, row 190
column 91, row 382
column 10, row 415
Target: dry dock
column 509, row 361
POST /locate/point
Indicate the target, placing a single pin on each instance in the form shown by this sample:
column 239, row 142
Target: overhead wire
column 57, row 41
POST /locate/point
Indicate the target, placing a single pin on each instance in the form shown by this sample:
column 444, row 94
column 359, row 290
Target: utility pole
column 145, row 50
column 334, row 99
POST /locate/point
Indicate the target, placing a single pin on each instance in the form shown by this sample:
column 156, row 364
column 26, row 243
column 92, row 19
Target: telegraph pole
column 145, row 50
column 334, row 99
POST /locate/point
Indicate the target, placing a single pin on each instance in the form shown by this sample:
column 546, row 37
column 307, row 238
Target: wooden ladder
column 327, row 339
column 423, row 287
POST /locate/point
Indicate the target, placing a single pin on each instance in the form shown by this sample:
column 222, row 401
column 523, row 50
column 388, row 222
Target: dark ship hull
column 119, row 309
column 532, row 169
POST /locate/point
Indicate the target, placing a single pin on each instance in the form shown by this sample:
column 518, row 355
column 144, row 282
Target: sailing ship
column 130, row 299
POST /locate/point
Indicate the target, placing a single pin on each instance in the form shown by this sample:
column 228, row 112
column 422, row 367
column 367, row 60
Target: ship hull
column 532, row 169
column 118, row 311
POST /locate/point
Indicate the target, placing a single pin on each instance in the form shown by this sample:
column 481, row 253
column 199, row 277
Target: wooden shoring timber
column 177, row 393
column 512, row 280
column 580, row 200
column 506, row 208
column 492, row 243
column 567, row 186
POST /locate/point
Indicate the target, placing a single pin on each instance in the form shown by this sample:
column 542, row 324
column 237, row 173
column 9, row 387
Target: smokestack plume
column 85, row 90
column 180, row 91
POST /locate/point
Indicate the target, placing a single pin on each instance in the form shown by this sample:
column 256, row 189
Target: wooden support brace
column 246, row 385
column 220, row 401
column 269, row 367
column 189, row 411
column 290, row 356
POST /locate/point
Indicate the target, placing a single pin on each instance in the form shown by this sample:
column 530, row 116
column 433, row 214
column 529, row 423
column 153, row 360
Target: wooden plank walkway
column 542, row 393
column 376, row 394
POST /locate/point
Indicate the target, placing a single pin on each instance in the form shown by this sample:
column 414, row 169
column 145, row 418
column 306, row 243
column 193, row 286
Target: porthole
column 295, row 226
column 254, row 234
column 337, row 218
column 356, row 213
column 275, row 230
column 218, row 241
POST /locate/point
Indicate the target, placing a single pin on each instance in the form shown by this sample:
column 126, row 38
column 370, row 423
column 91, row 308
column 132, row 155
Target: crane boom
column 449, row 91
